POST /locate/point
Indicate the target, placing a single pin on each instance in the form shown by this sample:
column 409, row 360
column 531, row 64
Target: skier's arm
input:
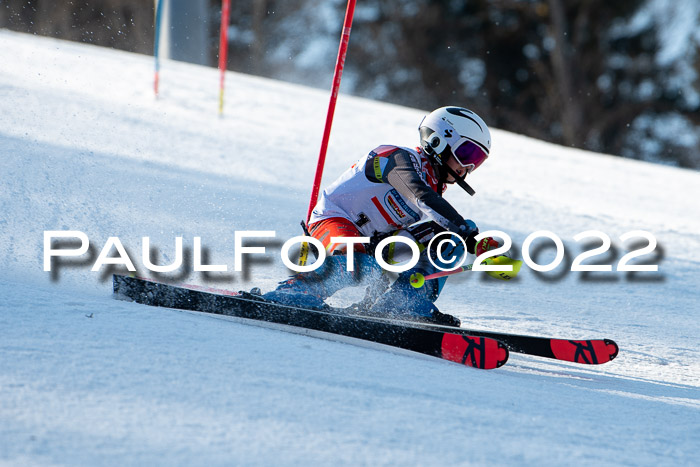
column 400, row 172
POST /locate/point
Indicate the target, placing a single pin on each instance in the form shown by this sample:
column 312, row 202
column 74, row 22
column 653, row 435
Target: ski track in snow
column 85, row 379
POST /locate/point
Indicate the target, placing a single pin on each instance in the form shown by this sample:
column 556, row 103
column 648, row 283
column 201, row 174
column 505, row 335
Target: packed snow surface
column 89, row 380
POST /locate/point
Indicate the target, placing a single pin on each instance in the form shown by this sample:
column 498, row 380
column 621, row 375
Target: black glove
column 468, row 230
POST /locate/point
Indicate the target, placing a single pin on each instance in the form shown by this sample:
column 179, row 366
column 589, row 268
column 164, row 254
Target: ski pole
column 418, row 280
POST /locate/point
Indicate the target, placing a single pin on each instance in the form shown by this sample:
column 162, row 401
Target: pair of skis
column 470, row 347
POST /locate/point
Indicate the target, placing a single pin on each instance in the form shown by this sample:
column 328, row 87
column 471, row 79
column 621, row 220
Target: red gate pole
column 339, row 64
column 223, row 50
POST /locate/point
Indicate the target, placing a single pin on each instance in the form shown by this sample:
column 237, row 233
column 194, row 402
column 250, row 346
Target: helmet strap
column 460, row 181
column 445, row 170
column 440, row 167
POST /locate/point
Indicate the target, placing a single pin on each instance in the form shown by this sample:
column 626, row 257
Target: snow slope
column 87, row 380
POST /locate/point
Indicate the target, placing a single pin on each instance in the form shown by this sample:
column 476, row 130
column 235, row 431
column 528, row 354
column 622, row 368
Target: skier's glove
column 486, row 244
column 468, row 230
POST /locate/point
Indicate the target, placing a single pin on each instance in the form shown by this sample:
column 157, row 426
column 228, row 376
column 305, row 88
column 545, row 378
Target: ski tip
column 478, row 352
column 612, row 347
column 504, row 354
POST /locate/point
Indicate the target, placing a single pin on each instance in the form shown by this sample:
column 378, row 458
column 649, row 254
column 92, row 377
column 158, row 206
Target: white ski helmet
column 455, row 131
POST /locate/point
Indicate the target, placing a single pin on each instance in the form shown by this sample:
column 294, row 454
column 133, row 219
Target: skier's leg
column 402, row 299
column 311, row 289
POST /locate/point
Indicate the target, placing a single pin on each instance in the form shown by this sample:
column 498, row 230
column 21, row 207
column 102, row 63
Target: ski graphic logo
column 583, row 347
column 470, row 351
column 477, row 352
column 587, row 352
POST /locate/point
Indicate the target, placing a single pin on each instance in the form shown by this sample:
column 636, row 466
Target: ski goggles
column 470, row 155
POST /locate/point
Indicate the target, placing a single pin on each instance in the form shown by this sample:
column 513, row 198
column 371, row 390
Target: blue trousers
column 311, row 289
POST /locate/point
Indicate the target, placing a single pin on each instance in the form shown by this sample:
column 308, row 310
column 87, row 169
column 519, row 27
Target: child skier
column 396, row 191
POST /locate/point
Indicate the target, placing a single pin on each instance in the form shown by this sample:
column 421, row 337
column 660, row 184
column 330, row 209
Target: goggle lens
column 470, row 155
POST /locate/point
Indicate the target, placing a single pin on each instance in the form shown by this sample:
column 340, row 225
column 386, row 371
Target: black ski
column 443, row 342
